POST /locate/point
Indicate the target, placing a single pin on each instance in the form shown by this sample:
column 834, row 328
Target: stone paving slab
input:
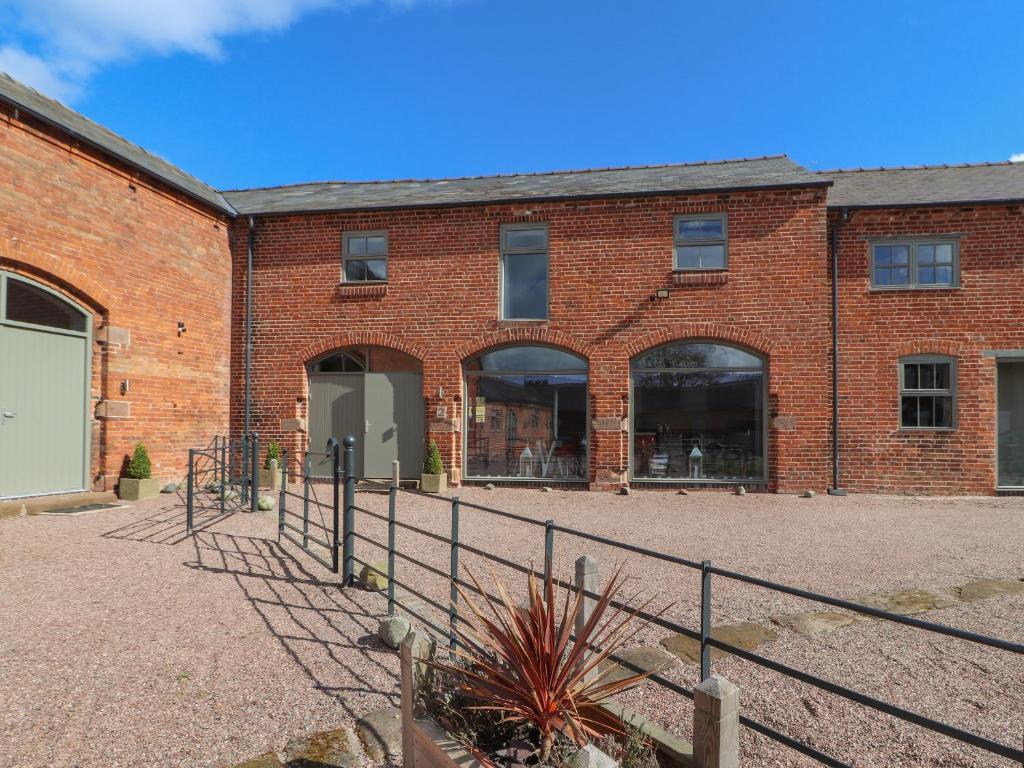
column 328, row 749
column 269, row 760
column 381, row 733
column 648, row 659
column 907, row 602
column 986, row 588
column 815, row 622
column 745, row 635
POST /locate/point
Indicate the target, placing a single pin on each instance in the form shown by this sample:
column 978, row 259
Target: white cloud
column 1017, row 158
column 59, row 44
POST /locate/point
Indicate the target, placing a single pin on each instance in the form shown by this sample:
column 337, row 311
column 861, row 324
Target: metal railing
column 708, row 574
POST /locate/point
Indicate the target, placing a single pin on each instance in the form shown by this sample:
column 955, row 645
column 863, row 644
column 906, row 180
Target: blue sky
column 262, row 92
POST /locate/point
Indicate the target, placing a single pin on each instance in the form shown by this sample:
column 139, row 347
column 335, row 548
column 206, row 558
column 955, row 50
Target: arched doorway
column 375, row 394
column 698, row 414
column 44, row 390
column 526, row 415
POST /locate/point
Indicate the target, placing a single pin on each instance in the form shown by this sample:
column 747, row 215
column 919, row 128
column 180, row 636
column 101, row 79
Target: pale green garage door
column 44, row 370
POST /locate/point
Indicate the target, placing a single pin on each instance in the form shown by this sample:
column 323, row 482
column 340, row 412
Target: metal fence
column 222, row 477
column 331, row 525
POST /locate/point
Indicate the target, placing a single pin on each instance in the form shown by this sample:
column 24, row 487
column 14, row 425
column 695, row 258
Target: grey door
column 1010, row 427
column 335, row 410
column 394, row 424
column 44, row 343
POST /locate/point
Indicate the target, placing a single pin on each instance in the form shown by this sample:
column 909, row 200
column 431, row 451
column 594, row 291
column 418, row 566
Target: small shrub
column 273, row 452
column 139, row 466
column 432, row 461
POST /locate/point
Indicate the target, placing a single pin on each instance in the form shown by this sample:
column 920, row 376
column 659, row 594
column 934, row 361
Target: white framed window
column 364, row 257
column 701, row 242
column 524, row 272
column 931, row 263
column 928, row 392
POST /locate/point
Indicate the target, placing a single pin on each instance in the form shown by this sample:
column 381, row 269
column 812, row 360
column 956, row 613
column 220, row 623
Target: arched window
column 698, row 413
column 541, row 395
column 27, row 303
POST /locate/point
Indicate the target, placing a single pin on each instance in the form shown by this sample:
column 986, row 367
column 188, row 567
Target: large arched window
column 698, row 414
column 526, row 414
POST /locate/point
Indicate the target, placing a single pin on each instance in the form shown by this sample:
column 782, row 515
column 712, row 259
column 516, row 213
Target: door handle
column 9, row 415
column 366, row 427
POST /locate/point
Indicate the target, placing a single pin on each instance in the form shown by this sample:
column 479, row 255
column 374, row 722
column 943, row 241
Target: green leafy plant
column 523, row 662
column 273, row 452
column 139, row 466
column 432, row 461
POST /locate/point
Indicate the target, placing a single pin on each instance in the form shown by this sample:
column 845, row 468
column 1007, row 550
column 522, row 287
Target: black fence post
column 190, row 490
column 705, row 620
column 453, row 606
column 223, row 473
column 254, row 497
column 306, row 470
column 549, row 547
column 282, row 492
column 243, row 480
column 334, row 453
column 348, row 577
column 392, row 508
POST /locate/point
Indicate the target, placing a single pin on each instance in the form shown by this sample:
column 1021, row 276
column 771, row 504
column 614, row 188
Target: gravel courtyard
column 125, row 643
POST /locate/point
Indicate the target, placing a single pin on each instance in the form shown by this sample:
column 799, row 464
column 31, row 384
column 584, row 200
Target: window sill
column 924, row 430
column 523, row 321
column 912, row 288
column 362, row 290
column 683, row 278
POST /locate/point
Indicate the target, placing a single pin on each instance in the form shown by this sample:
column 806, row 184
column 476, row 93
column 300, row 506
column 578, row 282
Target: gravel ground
column 126, row 644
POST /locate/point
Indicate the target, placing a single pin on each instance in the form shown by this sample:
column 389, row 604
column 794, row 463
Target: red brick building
column 648, row 326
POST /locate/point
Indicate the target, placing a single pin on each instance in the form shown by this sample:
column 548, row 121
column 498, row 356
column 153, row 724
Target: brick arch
column 59, row 273
column 928, row 347
column 355, row 339
column 527, row 335
column 717, row 331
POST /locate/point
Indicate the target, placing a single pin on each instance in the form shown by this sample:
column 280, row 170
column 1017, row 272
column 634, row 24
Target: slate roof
column 54, row 113
column 926, row 185
column 776, row 171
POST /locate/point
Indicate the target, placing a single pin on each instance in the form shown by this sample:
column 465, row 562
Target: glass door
column 1010, row 424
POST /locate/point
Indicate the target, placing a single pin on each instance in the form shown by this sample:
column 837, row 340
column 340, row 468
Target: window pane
column 712, row 256
column 1011, row 423
column 357, row 246
column 700, row 229
column 28, row 304
column 908, row 411
column 883, row 255
column 943, row 408
column 718, row 413
column 925, row 416
column 519, row 239
column 944, row 253
column 900, row 254
column 926, row 275
column 355, row 271
column 900, row 276
column 942, row 375
column 926, row 254
column 545, row 427
column 693, row 355
column 927, row 375
column 688, row 257
column 522, row 358
column 910, row 376
column 376, row 246
column 526, row 286
column 377, row 269
column 944, row 275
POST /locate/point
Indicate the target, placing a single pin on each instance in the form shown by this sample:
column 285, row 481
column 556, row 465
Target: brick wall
column 878, row 327
column 141, row 257
column 607, row 258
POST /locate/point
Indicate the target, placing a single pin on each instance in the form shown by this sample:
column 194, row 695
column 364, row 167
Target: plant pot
column 434, row 483
column 266, row 476
column 130, row 489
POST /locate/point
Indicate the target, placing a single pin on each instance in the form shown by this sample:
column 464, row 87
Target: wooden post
column 275, row 475
column 408, row 688
column 716, row 724
column 586, row 581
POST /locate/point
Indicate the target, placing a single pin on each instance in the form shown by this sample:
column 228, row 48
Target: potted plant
column 520, row 689
column 266, row 478
column 137, row 481
column 434, row 479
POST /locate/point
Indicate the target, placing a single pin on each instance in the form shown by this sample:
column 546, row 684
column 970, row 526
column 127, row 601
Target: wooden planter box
column 425, row 744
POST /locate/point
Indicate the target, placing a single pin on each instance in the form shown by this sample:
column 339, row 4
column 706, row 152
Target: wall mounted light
column 125, row 387
column 181, row 328
column 661, row 293
column 440, row 393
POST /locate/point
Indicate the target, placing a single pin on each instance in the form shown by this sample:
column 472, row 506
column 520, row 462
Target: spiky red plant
column 524, row 662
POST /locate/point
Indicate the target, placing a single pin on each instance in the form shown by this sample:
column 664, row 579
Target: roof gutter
column 836, row 490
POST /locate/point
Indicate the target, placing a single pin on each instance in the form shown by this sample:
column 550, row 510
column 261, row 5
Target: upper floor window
column 927, row 392
column 702, row 242
column 524, row 272
column 914, row 264
column 365, row 257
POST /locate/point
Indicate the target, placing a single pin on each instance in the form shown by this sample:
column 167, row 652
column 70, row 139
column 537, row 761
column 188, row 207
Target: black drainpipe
column 248, row 329
column 835, row 490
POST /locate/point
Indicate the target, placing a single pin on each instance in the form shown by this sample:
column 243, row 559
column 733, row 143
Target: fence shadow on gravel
column 318, row 625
